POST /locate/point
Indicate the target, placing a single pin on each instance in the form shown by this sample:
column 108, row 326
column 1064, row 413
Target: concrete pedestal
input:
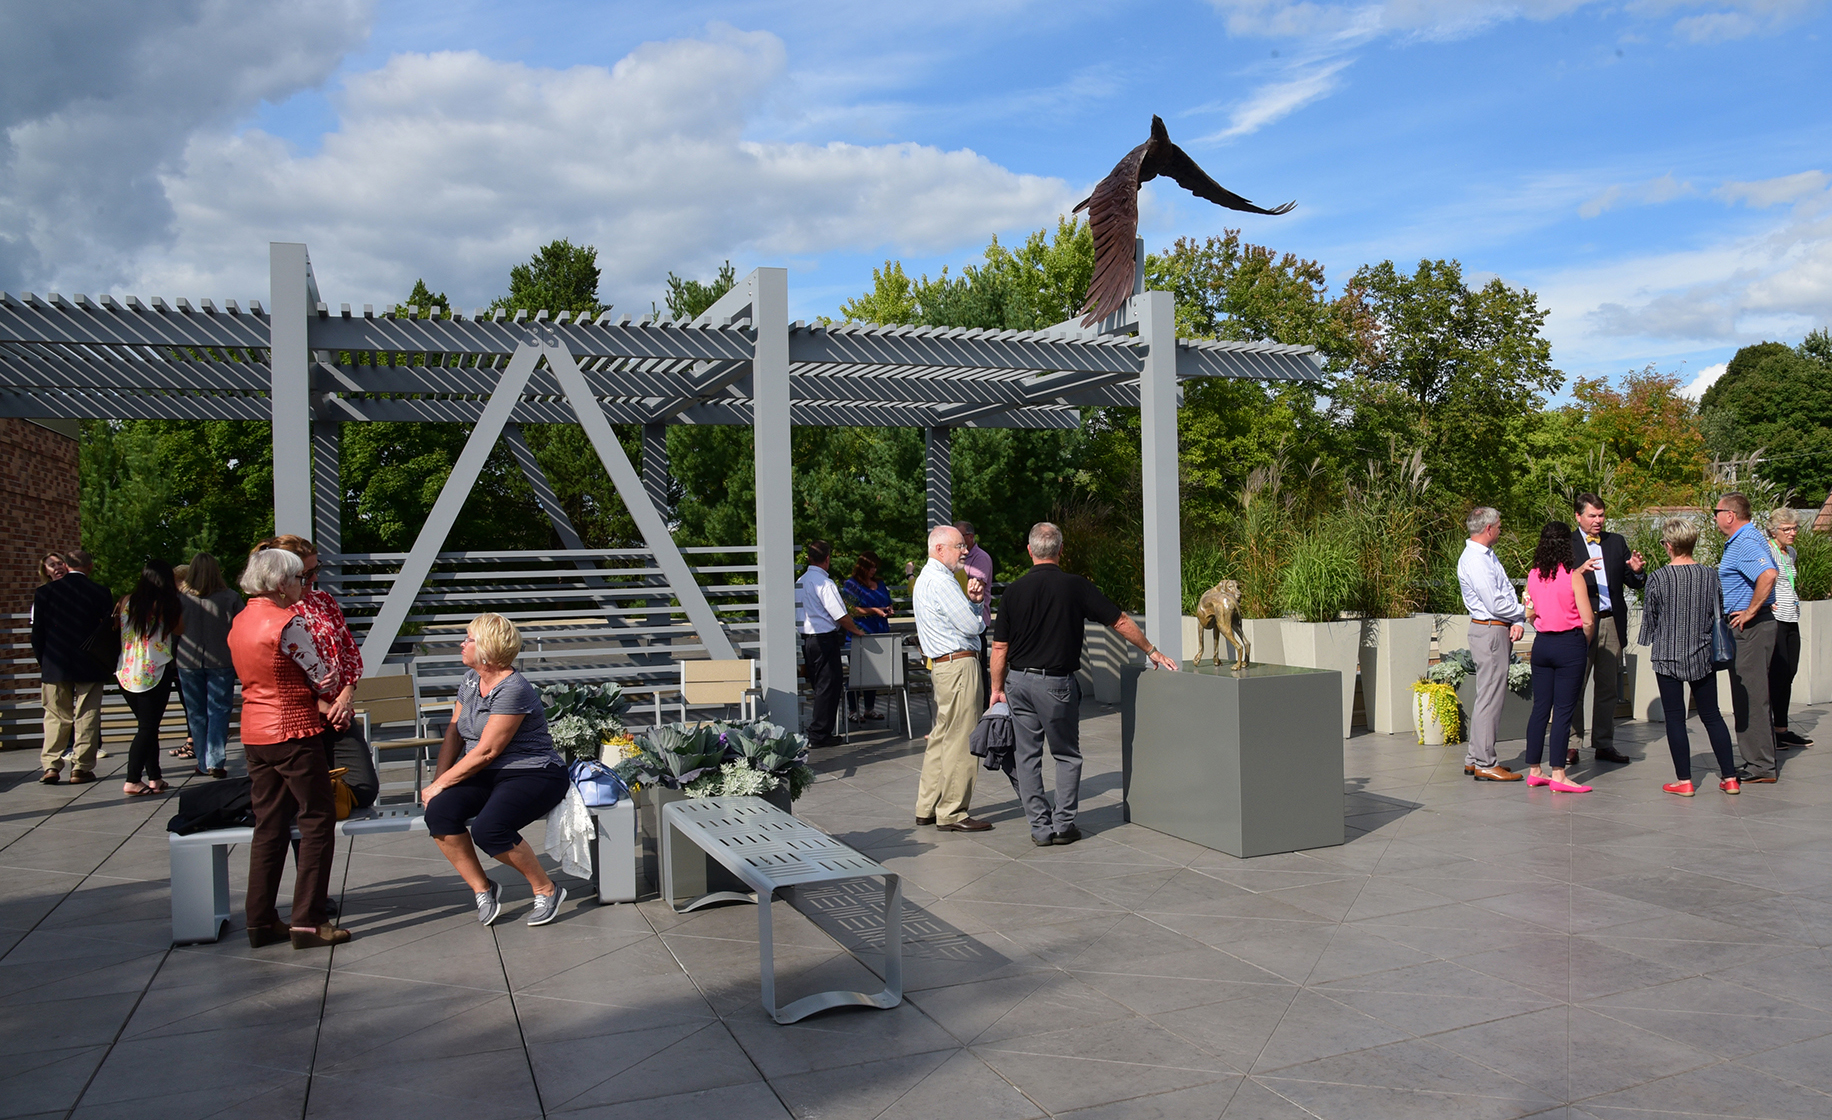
column 1246, row 763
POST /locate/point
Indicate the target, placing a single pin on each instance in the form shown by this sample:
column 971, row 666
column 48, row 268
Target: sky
column 1658, row 172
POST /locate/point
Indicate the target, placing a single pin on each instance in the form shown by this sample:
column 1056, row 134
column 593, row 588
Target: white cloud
column 96, row 104
column 1268, row 103
column 1650, row 192
column 1772, row 280
column 1706, row 378
column 454, row 166
column 1764, row 193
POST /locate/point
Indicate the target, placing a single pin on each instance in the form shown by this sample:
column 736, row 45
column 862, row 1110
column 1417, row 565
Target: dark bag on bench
column 224, row 804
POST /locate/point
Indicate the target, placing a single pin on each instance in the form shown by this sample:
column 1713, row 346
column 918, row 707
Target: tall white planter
column 1323, row 645
column 1394, row 654
column 1267, row 636
column 1103, row 654
column 1813, row 683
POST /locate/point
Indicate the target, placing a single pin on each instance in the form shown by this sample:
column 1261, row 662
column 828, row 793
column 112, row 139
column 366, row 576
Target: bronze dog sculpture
column 1219, row 610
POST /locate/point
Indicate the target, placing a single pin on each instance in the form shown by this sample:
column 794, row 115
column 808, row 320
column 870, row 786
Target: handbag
column 342, row 794
column 598, row 784
column 103, row 646
column 1723, row 645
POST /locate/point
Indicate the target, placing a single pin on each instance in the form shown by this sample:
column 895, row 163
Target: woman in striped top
column 1678, row 608
column 1783, row 527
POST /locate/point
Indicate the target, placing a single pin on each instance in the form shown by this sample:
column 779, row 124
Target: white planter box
column 1394, row 654
column 1430, row 731
column 1813, row 683
column 1103, row 652
column 1267, row 636
column 1323, row 645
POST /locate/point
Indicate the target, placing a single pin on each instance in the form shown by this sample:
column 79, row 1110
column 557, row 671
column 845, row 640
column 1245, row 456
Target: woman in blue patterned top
column 497, row 769
column 870, row 600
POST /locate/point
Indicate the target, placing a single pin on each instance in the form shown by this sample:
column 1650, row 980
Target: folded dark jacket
column 992, row 738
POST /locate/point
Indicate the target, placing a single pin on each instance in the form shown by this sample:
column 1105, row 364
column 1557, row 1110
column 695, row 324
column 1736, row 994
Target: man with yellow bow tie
column 1615, row 570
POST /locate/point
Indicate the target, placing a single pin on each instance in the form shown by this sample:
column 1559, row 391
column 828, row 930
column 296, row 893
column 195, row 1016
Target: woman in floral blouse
column 151, row 620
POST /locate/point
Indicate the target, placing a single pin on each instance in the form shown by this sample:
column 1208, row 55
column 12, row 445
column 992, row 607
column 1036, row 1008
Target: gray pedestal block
column 1247, row 763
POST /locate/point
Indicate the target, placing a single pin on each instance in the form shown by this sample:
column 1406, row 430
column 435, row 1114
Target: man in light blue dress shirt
column 1495, row 617
column 951, row 629
column 1747, row 575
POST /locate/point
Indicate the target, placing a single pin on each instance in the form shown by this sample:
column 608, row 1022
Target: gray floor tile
column 753, row 1101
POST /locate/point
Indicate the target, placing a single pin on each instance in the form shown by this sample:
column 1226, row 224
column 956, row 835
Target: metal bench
column 200, row 863
column 772, row 851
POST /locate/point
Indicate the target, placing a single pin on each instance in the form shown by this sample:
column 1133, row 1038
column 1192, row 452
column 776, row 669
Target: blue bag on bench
column 598, row 784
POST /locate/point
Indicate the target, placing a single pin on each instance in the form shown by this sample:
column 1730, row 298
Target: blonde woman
column 497, row 769
column 1679, row 606
column 1783, row 528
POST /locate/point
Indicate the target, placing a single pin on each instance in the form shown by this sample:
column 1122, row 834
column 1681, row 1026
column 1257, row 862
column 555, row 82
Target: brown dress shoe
column 1571, row 758
column 262, row 936
column 49, row 777
column 1495, row 773
column 323, row 937
column 925, row 820
column 965, row 824
column 79, row 777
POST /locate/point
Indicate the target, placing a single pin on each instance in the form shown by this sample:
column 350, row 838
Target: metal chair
column 720, row 682
column 877, row 664
column 390, row 701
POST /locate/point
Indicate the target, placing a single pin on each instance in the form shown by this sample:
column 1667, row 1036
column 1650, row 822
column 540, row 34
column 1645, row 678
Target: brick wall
column 38, row 483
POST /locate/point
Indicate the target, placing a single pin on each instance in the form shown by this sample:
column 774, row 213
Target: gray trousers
column 1489, row 646
column 1749, row 697
column 1046, row 709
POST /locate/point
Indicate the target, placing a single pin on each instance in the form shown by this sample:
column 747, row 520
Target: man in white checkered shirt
column 949, row 627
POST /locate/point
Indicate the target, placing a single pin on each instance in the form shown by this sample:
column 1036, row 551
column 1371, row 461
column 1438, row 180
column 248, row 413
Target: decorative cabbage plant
column 720, row 759
column 581, row 717
column 1453, row 665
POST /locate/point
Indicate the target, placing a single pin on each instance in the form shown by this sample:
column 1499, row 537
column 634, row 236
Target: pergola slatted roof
column 309, row 369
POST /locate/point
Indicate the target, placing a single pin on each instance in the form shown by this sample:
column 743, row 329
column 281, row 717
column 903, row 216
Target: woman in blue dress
column 870, row 601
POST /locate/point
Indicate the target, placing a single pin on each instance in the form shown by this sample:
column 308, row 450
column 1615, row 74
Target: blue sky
column 1655, row 169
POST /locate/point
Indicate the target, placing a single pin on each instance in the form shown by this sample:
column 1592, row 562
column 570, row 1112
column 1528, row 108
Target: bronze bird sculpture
column 1113, row 214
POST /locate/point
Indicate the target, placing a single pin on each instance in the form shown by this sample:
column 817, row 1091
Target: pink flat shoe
column 1538, row 780
column 1567, row 787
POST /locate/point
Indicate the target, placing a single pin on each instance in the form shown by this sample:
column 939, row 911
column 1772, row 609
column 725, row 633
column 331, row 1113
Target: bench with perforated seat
column 771, row 851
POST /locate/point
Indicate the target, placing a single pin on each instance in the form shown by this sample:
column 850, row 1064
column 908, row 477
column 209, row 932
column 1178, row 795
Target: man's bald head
column 947, row 546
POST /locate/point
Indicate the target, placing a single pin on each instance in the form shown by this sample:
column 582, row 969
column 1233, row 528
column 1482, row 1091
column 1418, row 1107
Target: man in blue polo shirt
column 1747, row 573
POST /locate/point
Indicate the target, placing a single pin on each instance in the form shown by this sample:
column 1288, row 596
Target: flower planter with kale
column 678, row 761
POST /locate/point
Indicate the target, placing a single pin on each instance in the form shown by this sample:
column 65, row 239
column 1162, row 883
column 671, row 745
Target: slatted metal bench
column 771, row 851
column 200, row 863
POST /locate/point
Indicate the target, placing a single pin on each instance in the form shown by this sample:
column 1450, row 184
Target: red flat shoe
column 1568, row 787
column 1731, row 785
column 1682, row 789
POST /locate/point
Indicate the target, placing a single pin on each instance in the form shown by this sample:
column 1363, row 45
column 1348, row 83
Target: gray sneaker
column 547, row 907
column 489, row 903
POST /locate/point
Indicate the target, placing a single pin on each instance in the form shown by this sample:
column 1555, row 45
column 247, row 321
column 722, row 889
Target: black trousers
column 1781, row 669
column 1704, row 697
column 821, row 658
column 149, row 709
column 498, row 803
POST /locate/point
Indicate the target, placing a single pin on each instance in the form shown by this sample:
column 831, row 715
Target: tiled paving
column 1475, row 951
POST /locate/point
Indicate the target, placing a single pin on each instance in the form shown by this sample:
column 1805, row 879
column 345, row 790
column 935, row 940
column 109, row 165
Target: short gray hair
column 1481, row 518
column 1782, row 517
column 940, row 534
column 1680, row 534
column 1045, row 542
column 966, row 527
column 269, row 569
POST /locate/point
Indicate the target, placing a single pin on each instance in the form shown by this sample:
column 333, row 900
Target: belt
column 1041, row 673
column 1490, row 622
column 955, row 656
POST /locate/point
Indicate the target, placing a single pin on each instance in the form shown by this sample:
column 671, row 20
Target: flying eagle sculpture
column 1113, row 214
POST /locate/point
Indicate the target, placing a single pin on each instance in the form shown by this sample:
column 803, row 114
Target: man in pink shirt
column 978, row 565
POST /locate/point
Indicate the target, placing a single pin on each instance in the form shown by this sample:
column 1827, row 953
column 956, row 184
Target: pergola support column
column 327, row 500
column 1158, row 454
column 655, row 476
column 293, row 295
column 775, row 494
column 938, row 455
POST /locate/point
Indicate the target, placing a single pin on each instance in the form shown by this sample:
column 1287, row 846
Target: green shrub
column 1813, row 571
column 1321, row 574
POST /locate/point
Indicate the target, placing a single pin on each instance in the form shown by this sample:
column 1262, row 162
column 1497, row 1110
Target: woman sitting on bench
column 498, row 769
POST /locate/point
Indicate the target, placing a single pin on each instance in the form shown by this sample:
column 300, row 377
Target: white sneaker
column 489, row 903
column 547, row 907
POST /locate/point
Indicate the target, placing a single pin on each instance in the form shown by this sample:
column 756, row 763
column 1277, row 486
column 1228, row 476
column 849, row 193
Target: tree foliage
column 1778, row 399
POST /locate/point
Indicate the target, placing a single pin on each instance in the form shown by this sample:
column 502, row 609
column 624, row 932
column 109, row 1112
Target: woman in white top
column 151, row 618
column 1783, row 527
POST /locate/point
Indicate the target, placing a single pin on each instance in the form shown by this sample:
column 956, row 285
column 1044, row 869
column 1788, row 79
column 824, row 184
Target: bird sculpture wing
column 1172, row 161
column 1113, row 218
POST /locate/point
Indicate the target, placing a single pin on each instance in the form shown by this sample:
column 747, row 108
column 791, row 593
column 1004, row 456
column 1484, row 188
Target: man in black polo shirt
column 1036, row 648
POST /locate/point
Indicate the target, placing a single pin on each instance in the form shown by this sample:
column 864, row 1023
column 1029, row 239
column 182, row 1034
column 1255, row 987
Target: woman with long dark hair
column 151, row 618
column 1559, row 609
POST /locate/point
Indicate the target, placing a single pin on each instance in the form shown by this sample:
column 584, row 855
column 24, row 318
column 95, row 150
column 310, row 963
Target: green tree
column 1778, row 399
column 1447, row 368
column 687, row 298
column 560, row 277
column 172, row 488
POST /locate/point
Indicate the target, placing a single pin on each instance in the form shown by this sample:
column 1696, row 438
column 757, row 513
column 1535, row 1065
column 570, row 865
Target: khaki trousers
column 73, row 714
column 945, row 790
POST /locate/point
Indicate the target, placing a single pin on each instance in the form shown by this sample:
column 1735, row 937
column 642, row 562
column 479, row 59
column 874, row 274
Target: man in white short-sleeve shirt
column 824, row 615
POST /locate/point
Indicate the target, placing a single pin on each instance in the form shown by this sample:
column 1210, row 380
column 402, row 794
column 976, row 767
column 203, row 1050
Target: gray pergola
column 741, row 362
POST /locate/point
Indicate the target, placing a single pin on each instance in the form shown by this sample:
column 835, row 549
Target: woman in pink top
column 1559, row 608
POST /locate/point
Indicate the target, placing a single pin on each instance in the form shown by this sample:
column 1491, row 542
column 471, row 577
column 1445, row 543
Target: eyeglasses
column 1715, row 512
column 467, row 640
